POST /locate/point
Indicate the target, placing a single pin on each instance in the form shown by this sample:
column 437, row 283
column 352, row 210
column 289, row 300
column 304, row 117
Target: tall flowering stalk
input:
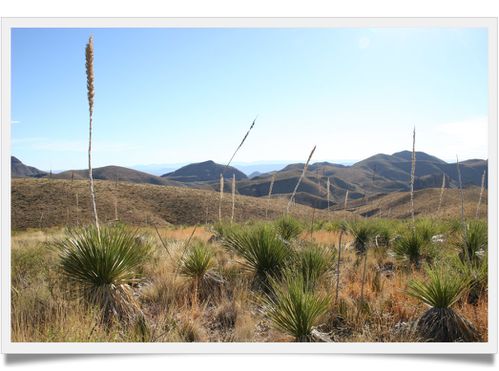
column 299, row 180
column 225, row 168
column 481, row 195
column 89, row 66
column 221, row 197
column 233, row 197
column 442, row 189
column 463, row 222
column 270, row 194
column 413, row 171
column 328, row 185
column 346, row 200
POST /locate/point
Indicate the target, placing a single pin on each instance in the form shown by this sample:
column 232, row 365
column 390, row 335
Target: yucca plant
column 263, row 251
column 222, row 229
column 101, row 266
column 313, row 262
column 440, row 291
column 197, row 261
column 473, row 243
column 478, row 277
column 288, row 228
column 293, row 308
column 363, row 233
column 196, row 264
column 426, row 229
column 410, row 248
column 384, row 235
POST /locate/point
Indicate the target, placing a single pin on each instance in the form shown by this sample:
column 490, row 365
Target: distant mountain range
column 207, row 171
column 374, row 176
column 19, row 170
column 244, row 167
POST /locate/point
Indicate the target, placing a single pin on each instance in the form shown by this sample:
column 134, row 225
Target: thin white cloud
column 364, row 42
column 12, row 122
column 472, row 132
column 61, row 145
column 466, row 138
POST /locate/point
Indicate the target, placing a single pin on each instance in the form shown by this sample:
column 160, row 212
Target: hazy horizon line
column 173, row 166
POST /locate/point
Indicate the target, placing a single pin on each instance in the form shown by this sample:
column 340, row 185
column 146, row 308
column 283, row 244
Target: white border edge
column 384, row 348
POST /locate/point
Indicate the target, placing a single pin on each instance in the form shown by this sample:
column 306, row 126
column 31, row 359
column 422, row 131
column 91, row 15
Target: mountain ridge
column 376, row 175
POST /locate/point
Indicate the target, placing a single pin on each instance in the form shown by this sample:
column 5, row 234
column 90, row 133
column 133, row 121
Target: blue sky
column 188, row 95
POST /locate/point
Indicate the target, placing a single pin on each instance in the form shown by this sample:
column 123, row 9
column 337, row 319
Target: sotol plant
column 293, row 308
column 363, row 233
column 263, row 251
column 313, row 262
column 288, row 228
column 101, row 266
column 410, row 248
column 197, row 261
column 440, row 292
column 473, row 243
column 196, row 264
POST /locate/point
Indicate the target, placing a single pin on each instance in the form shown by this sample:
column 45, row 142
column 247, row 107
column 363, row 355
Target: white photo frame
column 14, row 347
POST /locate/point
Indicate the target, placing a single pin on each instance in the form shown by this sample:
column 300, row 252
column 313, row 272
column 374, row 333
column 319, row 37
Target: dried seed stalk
column 442, row 189
column 270, row 194
column 239, row 146
column 338, row 268
column 221, row 197
column 463, row 222
column 77, row 210
column 328, row 185
column 89, row 66
column 233, row 197
column 299, row 180
column 481, row 195
column 413, row 171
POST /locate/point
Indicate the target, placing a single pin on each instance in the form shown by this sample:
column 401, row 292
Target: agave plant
column 410, row 248
column 293, row 308
column 101, row 266
column 440, row 292
column 288, row 228
column 313, row 262
column 473, row 243
column 263, row 251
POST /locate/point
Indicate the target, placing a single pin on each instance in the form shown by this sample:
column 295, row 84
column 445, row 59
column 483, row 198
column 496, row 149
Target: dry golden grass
column 45, row 203
column 227, row 309
column 42, row 203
